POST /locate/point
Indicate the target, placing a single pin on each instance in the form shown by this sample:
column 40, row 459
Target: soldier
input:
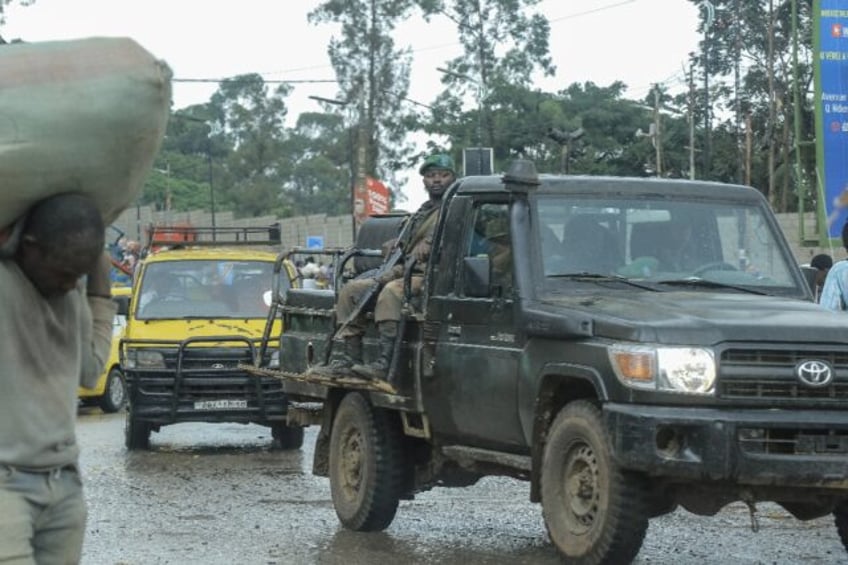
column 438, row 174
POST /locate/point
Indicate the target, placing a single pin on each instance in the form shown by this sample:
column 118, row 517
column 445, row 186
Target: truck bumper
column 234, row 398
column 769, row 447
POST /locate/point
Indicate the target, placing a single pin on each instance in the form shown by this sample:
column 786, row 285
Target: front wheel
column 115, row 396
column 287, row 437
column 594, row 512
column 840, row 514
column 366, row 464
column 136, row 433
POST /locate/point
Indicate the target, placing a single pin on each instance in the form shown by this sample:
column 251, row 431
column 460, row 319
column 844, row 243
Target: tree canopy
column 735, row 122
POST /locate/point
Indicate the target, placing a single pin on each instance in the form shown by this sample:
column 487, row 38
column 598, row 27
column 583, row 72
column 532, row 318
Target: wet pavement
column 217, row 494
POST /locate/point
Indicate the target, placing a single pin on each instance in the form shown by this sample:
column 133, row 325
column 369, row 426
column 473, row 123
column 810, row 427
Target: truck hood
column 694, row 318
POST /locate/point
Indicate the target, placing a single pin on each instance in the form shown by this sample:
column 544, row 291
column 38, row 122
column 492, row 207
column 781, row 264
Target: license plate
column 220, row 404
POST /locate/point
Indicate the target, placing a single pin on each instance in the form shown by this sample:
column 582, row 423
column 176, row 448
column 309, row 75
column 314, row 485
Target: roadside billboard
column 830, row 49
column 371, row 198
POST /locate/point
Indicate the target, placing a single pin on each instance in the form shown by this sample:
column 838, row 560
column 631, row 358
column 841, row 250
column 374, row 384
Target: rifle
column 394, row 258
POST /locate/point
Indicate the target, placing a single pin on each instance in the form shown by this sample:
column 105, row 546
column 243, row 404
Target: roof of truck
column 576, row 184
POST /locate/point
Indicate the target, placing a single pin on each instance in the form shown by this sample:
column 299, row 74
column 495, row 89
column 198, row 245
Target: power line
column 418, row 50
column 592, row 11
column 214, row 80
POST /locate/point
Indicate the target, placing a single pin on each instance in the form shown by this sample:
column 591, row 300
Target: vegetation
column 740, row 102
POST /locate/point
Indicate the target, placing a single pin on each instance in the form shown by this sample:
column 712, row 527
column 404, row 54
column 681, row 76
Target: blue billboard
column 831, row 54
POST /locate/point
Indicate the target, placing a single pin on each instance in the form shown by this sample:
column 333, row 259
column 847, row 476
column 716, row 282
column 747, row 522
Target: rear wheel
column 287, row 437
column 366, row 464
column 594, row 512
column 136, row 433
column 115, row 396
column 840, row 514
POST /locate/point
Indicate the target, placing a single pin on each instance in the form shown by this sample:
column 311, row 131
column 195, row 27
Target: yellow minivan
column 110, row 392
column 198, row 310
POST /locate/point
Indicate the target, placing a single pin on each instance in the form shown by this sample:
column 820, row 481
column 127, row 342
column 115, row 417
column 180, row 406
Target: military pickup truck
column 627, row 346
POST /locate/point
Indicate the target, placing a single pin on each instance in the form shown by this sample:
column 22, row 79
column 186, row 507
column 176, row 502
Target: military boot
column 342, row 362
column 379, row 368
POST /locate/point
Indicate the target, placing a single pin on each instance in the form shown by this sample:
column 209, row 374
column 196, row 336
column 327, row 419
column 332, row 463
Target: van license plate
column 220, row 404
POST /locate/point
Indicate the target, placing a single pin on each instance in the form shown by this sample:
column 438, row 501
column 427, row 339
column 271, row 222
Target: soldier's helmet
column 438, row 161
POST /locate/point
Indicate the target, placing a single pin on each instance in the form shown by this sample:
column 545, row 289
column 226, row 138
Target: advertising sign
column 831, row 75
column 371, row 198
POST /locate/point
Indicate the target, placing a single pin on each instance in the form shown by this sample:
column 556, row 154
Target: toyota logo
column 814, row 373
column 217, row 365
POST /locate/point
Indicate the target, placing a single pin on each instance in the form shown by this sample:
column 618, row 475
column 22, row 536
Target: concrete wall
column 790, row 224
column 337, row 231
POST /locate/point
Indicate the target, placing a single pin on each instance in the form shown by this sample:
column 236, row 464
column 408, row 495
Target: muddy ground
column 217, row 494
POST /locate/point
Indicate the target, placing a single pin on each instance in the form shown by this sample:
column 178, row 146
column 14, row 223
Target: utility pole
column 708, row 22
column 749, row 142
column 657, row 139
column 691, row 112
column 211, row 186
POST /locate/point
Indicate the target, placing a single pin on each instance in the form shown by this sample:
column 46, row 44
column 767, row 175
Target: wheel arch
column 559, row 384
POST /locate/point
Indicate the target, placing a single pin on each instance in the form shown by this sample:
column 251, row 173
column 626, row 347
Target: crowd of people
column 314, row 275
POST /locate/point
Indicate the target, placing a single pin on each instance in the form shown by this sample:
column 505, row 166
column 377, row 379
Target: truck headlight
column 144, row 359
column 686, row 370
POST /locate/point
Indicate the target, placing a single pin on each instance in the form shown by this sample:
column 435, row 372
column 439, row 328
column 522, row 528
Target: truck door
column 476, row 359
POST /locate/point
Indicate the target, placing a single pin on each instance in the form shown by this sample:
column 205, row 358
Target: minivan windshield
column 662, row 241
column 205, row 289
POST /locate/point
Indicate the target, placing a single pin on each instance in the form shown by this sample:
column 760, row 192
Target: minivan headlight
column 144, row 359
column 685, row 370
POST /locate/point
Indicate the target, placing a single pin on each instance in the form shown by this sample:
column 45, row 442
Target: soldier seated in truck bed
column 414, row 243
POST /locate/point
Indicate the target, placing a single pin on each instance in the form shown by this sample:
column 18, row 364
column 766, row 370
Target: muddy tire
column 115, row 396
column 287, row 437
column 136, row 434
column 840, row 515
column 594, row 512
column 366, row 464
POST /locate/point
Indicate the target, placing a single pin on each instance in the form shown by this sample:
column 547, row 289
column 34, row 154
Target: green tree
column 4, row 3
column 320, row 149
column 373, row 77
column 746, row 59
column 503, row 44
column 250, row 118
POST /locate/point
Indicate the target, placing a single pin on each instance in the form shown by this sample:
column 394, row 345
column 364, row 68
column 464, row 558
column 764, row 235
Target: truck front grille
column 769, row 374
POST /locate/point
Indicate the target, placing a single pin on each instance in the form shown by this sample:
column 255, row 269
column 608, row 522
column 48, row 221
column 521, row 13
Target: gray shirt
column 48, row 347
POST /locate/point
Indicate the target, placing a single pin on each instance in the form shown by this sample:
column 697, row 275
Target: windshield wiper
column 598, row 277
column 698, row 281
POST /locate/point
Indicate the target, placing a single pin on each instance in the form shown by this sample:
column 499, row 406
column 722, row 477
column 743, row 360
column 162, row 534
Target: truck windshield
column 659, row 240
column 205, row 289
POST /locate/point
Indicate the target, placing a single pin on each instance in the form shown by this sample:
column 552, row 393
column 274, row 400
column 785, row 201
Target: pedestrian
column 438, row 173
column 309, row 273
column 822, row 264
column 834, row 293
column 57, row 330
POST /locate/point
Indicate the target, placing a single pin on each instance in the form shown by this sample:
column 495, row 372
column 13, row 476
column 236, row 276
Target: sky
column 639, row 42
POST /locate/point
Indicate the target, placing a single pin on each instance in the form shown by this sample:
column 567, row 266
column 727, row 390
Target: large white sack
column 83, row 115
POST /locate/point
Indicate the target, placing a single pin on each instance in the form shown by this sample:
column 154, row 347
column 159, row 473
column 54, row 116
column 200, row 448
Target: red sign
column 371, row 199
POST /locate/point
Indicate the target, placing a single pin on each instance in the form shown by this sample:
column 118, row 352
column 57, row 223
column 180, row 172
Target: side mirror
column 477, row 273
column 123, row 303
